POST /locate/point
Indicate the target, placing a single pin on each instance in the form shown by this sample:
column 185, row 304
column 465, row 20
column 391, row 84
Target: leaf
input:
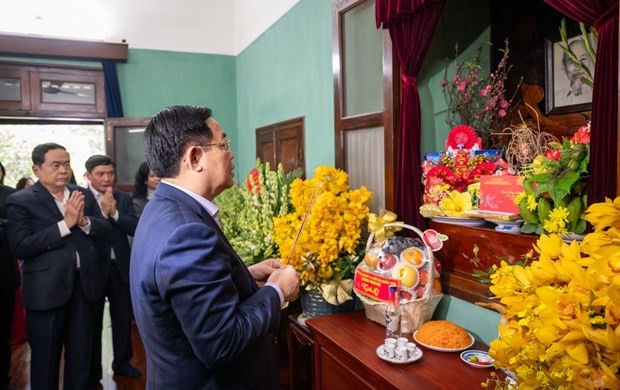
column 529, row 228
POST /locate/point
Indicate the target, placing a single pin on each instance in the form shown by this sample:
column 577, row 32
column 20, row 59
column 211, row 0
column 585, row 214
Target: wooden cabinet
column 457, row 279
column 300, row 353
column 345, row 358
column 44, row 91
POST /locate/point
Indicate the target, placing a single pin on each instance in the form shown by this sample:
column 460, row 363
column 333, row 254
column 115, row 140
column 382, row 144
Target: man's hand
column 287, row 279
column 74, row 209
column 263, row 270
column 108, row 203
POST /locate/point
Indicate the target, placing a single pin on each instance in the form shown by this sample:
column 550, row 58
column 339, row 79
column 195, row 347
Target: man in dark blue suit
column 9, row 282
column 49, row 230
column 114, row 251
column 207, row 321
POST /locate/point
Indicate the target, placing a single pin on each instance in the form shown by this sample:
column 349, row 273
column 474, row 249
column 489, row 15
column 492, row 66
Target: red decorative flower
column 582, row 136
column 440, row 172
column 252, row 181
column 553, row 154
column 485, row 168
column 461, row 137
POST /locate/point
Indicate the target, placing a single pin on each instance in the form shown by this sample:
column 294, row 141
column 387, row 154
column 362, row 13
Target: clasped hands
column 272, row 271
column 108, row 203
column 74, row 210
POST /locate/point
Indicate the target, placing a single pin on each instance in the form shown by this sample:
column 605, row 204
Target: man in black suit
column 9, row 281
column 114, row 251
column 50, row 232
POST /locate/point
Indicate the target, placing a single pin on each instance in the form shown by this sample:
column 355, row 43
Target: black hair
column 170, row 132
column 97, row 160
column 38, row 153
column 142, row 175
column 3, row 173
column 21, row 183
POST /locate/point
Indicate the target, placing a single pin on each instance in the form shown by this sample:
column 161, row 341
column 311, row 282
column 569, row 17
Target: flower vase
column 314, row 305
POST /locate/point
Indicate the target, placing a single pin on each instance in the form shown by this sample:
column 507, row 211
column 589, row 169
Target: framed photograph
column 565, row 91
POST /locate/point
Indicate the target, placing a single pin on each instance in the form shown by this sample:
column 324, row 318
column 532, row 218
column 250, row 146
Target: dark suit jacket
column 9, row 272
column 204, row 322
column 117, row 239
column 49, row 260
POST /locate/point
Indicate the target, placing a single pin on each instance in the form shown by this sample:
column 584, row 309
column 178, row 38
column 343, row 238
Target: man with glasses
column 206, row 320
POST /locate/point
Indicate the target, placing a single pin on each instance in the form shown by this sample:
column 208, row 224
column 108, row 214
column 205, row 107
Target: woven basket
column 414, row 313
column 314, row 305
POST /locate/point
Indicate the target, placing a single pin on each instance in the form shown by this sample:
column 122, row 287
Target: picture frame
column 564, row 91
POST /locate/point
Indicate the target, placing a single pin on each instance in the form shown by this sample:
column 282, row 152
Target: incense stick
column 315, row 194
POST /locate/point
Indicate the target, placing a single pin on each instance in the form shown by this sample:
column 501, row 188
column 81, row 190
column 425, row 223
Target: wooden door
column 283, row 143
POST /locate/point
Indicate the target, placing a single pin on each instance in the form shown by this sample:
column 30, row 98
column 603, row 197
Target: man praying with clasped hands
column 50, row 225
column 206, row 319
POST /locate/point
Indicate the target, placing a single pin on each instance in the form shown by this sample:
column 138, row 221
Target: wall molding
column 62, row 48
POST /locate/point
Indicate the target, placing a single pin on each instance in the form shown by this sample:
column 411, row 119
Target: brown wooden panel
column 282, row 142
column 290, row 148
column 457, row 279
column 335, row 373
column 67, row 48
column 24, row 89
column 265, row 148
column 96, row 110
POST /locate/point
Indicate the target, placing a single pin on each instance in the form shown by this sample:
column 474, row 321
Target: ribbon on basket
column 376, row 224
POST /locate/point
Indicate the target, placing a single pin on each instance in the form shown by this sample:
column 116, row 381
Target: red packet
column 497, row 193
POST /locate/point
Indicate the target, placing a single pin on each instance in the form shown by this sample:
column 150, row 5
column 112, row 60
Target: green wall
column 151, row 80
column 287, row 73
column 465, row 22
column 480, row 322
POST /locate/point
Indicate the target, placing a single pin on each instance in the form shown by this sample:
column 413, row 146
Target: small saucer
column 478, row 359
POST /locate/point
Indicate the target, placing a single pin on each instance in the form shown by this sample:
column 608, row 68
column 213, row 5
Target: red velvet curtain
column 411, row 24
column 603, row 16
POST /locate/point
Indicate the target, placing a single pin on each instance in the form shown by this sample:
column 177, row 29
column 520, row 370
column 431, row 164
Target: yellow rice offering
column 443, row 334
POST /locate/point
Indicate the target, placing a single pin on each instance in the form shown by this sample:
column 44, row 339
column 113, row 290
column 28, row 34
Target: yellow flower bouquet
column 321, row 237
column 561, row 312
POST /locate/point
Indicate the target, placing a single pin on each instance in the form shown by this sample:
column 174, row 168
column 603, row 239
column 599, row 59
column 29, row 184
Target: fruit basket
column 406, row 262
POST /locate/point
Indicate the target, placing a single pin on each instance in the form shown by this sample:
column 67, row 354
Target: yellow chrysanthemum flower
column 331, row 231
column 561, row 326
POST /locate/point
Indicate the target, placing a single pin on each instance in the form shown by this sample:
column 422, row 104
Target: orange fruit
column 437, row 286
column 413, row 256
column 371, row 260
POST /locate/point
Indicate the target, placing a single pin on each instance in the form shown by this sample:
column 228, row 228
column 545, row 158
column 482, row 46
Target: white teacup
column 401, row 353
column 390, row 350
column 412, row 349
column 402, row 341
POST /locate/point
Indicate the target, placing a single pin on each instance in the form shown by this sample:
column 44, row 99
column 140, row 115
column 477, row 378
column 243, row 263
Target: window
column 364, row 96
column 44, row 91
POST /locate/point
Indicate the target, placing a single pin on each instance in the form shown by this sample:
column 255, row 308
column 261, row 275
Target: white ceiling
column 200, row 26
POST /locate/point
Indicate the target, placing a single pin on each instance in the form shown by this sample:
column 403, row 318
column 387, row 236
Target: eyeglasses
column 225, row 146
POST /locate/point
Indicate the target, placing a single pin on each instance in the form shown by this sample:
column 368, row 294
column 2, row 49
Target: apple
column 423, row 277
column 407, row 275
column 406, row 295
column 438, row 265
column 371, row 260
column 419, row 292
column 387, row 261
